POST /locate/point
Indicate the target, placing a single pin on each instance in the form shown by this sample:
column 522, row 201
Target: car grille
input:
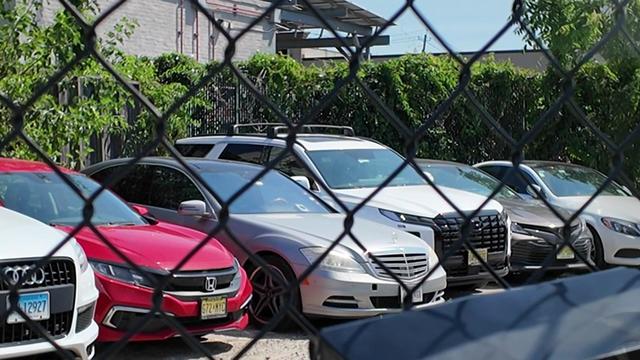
column 488, row 232
column 404, row 266
column 535, row 252
column 188, row 281
column 57, row 326
column 57, row 272
column 393, row 302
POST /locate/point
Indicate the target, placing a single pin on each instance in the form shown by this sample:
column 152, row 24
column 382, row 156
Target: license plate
column 416, row 297
column 36, row 306
column 473, row 260
column 565, row 253
column 213, row 307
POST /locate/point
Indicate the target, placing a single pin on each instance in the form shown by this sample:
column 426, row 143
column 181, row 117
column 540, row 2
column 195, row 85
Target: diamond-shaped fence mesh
column 286, row 275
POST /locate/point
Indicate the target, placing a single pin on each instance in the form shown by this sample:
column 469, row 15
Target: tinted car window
column 518, row 181
column 289, row 165
column 170, row 187
column 243, row 152
column 194, row 150
column 134, row 187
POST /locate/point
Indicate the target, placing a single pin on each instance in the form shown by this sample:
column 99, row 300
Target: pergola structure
column 357, row 24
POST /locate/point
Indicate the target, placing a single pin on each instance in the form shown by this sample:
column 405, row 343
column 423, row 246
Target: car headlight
column 622, row 226
column 334, row 261
column 406, row 218
column 121, row 273
column 518, row 229
column 80, row 254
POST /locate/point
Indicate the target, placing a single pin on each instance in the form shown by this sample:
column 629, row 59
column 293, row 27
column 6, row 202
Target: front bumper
column 80, row 340
column 619, row 249
column 530, row 253
column 121, row 307
column 358, row 295
column 80, row 345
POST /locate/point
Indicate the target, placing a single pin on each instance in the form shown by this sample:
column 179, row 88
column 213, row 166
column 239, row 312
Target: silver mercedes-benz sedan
column 290, row 227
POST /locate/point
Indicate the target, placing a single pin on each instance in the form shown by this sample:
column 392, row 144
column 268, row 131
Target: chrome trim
column 107, row 319
column 247, row 302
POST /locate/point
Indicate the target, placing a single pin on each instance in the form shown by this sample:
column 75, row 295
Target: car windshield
column 272, row 194
column 565, row 180
column 362, row 168
column 46, row 197
column 469, row 179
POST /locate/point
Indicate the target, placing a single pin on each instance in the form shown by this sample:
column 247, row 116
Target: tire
column 597, row 251
column 268, row 299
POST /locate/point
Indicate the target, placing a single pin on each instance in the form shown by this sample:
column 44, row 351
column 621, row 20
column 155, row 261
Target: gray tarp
column 588, row 316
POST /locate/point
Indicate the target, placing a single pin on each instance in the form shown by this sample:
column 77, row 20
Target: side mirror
column 302, row 180
column 533, row 190
column 196, row 208
column 143, row 211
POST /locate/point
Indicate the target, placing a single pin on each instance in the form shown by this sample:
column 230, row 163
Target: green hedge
column 414, row 86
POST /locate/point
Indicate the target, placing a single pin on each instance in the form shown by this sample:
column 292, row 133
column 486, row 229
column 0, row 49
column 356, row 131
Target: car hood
column 23, row 237
column 621, row 207
column 324, row 229
column 160, row 247
column 422, row 200
column 533, row 212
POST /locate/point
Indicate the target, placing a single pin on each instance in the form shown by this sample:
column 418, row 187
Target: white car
column 353, row 168
column 60, row 296
column 613, row 217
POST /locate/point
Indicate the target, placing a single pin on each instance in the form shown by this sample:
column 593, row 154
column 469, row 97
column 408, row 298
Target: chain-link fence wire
column 288, row 290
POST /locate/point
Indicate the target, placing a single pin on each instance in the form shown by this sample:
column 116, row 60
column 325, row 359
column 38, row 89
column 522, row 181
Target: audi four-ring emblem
column 14, row 274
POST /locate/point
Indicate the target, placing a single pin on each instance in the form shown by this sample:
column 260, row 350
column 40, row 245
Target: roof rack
column 272, row 130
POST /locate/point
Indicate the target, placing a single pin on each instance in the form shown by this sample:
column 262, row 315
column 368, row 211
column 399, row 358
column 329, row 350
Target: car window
column 134, row 187
column 564, row 180
column 273, row 193
column 289, row 165
column 47, row 198
column 170, row 187
column 518, row 181
column 469, row 179
column 243, row 152
column 194, row 150
column 363, row 168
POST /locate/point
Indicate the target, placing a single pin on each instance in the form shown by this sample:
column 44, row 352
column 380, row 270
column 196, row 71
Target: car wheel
column 597, row 251
column 270, row 295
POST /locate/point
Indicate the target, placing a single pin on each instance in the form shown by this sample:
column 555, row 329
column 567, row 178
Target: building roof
column 342, row 15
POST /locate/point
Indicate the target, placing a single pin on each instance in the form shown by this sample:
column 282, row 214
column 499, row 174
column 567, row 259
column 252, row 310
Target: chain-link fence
column 279, row 284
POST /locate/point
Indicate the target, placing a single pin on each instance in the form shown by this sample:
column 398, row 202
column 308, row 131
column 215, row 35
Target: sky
column 466, row 24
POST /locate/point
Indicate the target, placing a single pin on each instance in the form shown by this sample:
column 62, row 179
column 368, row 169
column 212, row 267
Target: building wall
column 176, row 26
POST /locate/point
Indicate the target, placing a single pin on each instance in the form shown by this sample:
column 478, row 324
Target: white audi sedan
column 59, row 295
column 613, row 217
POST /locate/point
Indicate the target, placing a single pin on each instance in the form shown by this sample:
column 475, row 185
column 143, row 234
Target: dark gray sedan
column 536, row 230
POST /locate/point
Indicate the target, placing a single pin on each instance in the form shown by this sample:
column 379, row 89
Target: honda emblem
column 210, row 284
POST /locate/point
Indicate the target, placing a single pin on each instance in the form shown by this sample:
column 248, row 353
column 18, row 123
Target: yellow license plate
column 473, row 260
column 565, row 253
column 213, row 307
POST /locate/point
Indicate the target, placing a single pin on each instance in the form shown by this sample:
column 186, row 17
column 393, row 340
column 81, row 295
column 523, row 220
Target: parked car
column 537, row 233
column 60, row 295
column 209, row 292
column 613, row 217
column 353, row 168
column 289, row 227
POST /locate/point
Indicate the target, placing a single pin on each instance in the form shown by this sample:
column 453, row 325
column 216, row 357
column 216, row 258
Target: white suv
column 60, row 296
column 353, row 168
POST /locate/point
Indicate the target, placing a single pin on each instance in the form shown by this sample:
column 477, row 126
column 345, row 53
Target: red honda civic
column 209, row 293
